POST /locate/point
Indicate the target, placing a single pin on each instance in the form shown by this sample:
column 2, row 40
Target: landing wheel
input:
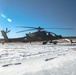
column 55, row 42
column 44, row 42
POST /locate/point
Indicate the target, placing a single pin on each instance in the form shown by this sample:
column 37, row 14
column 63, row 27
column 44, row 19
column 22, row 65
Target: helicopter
column 41, row 35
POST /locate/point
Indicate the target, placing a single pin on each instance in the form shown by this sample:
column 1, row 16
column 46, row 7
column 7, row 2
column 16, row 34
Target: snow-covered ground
column 31, row 59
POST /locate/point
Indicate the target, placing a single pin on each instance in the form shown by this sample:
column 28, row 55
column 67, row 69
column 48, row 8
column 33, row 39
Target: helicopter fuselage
column 42, row 36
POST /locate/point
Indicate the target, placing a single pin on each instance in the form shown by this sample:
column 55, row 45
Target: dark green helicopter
column 41, row 35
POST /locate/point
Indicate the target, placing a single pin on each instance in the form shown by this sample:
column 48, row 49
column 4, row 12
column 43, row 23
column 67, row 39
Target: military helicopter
column 41, row 34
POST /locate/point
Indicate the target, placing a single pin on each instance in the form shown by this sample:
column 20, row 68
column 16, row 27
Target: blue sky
column 43, row 13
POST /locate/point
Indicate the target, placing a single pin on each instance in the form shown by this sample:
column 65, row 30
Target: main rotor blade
column 25, row 30
column 25, row 27
column 36, row 28
column 62, row 28
column 39, row 28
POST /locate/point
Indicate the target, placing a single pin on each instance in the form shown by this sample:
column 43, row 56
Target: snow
column 32, row 59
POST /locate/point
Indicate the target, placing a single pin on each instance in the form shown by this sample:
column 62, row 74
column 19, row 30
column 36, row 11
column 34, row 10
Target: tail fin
column 4, row 34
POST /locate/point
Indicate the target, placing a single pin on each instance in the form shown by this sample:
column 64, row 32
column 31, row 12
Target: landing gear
column 55, row 42
column 45, row 42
